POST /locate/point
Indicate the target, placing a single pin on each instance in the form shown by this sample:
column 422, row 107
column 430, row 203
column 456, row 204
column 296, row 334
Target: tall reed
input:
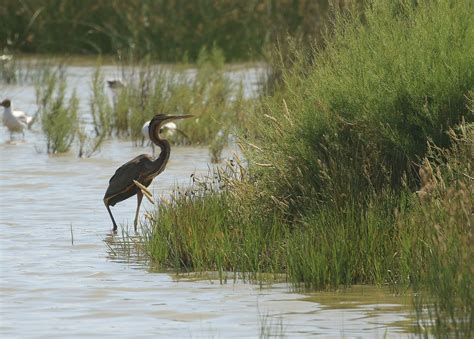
column 149, row 89
column 59, row 116
column 166, row 30
column 438, row 234
column 333, row 159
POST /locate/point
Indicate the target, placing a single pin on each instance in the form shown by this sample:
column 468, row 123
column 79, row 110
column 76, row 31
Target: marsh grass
column 126, row 247
column 204, row 91
column 59, row 116
column 167, row 31
column 101, row 113
column 101, row 110
column 16, row 70
column 199, row 232
column 440, row 235
column 333, row 158
column 271, row 328
column 420, row 241
column 356, row 117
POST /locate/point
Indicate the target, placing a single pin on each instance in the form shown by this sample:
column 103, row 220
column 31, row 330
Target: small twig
column 72, row 235
column 263, row 165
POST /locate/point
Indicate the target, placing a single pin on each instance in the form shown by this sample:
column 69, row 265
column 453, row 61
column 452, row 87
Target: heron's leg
column 112, row 217
column 139, row 201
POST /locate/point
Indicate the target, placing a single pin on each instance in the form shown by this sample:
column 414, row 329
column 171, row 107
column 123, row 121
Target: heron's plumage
column 142, row 168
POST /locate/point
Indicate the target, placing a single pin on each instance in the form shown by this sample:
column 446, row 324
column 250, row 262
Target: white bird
column 16, row 121
column 115, row 86
column 5, row 57
column 168, row 128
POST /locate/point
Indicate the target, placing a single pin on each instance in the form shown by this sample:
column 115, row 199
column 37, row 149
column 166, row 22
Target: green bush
column 168, row 30
column 59, row 119
column 358, row 116
column 333, row 160
column 437, row 232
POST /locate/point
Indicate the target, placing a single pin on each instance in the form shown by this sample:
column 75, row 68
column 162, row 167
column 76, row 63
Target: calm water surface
column 52, row 286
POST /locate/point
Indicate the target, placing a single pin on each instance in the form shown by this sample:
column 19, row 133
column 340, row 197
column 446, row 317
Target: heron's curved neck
column 160, row 162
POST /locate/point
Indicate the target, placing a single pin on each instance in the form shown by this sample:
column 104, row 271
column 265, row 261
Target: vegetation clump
column 334, row 158
column 59, row 118
column 439, row 233
column 206, row 92
column 167, row 30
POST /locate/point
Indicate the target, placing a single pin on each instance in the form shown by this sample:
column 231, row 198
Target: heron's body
column 142, row 169
column 15, row 121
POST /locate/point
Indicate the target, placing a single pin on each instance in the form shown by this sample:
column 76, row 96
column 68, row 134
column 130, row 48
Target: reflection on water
column 64, row 274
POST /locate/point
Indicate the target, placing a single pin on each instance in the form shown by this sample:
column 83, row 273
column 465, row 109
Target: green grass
column 333, row 160
column 358, row 116
column 151, row 89
column 59, row 117
column 167, row 30
column 440, row 237
column 199, row 231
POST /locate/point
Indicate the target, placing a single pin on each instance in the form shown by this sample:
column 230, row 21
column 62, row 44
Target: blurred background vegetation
column 170, row 30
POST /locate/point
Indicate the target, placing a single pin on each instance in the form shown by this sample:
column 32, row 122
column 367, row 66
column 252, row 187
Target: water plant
column 204, row 91
column 439, row 235
column 59, row 118
column 100, row 108
column 17, row 70
column 326, row 195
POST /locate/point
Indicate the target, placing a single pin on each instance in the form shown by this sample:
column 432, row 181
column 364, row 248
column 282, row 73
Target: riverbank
column 339, row 161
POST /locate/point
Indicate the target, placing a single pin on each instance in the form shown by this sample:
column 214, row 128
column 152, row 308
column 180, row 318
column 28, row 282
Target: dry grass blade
column 287, row 113
column 146, row 192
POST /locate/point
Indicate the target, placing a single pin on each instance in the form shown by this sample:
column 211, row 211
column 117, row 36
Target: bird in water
column 115, row 84
column 16, row 121
column 137, row 174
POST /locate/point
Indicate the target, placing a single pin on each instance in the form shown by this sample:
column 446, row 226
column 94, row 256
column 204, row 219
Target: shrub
column 59, row 120
column 358, row 116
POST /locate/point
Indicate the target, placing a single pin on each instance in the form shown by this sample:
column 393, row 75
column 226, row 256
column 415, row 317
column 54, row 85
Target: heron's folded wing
column 125, row 175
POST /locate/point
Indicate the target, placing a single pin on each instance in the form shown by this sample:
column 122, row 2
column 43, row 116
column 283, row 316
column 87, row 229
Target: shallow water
column 58, row 278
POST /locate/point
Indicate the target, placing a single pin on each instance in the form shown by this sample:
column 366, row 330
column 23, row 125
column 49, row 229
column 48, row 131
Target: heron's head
column 6, row 103
column 160, row 119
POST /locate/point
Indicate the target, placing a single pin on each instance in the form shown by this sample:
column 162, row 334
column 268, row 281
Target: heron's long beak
column 176, row 117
